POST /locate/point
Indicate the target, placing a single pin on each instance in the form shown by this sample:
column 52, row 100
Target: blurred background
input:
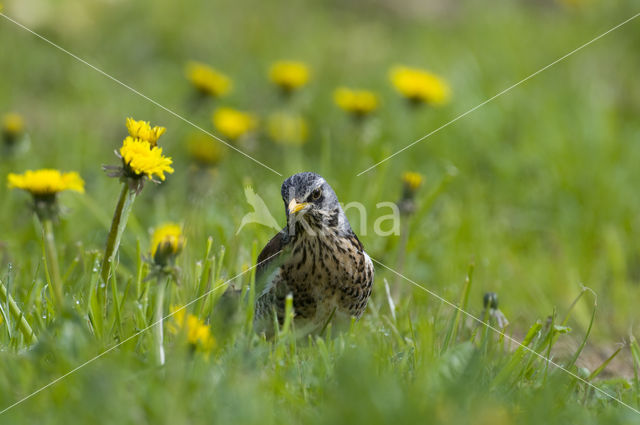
column 538, row 188
column 544, row 196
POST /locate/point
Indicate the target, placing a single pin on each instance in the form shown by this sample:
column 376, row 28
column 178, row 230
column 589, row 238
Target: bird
column 316, row 258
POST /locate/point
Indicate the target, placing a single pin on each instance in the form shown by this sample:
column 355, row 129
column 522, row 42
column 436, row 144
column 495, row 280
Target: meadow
column 532, row 196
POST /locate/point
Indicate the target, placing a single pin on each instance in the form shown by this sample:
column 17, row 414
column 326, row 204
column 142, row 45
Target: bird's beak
column 294, row 207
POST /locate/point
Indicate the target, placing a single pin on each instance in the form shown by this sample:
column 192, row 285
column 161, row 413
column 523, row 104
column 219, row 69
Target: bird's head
column 312, row 204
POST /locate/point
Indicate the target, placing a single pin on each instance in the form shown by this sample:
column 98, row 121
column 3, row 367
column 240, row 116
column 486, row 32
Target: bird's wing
column 270, row 257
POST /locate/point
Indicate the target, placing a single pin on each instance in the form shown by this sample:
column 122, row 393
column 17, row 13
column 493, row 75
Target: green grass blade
column 452, row 331
column 635, row 355
column 203, row 279
column 574, row 359
column 604, row 364
column 516, row 358
column 17, row 314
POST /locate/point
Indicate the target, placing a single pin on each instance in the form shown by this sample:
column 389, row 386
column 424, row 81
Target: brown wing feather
column 269, row 255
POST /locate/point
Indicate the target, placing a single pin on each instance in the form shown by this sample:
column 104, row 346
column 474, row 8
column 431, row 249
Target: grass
column 537, row 189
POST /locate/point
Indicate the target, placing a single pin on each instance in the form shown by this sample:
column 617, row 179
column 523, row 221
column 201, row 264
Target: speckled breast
column 326, row 272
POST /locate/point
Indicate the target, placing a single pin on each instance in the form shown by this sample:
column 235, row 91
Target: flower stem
column 53, row 268
column 158, row 320
column 18, row 316
column 118, row 224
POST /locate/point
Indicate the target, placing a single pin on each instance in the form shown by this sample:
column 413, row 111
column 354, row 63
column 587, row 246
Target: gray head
column 307, row 196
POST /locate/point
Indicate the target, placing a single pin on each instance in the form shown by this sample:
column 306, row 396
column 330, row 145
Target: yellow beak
column 294, row 207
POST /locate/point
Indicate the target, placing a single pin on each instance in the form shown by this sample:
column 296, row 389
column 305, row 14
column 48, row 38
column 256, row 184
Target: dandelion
column 411, row 182
column 12, row 129
column 12, row 125
column 140, row 155
column 233, row 123
column 287, row 129
column 141, row 160
column 142, row 130
column 167, row 242
column 289, row 75
column 44, row 186
column 204, row 151
column 420, row 86
column 207, row 80
column 358, row 103
column 197, row 334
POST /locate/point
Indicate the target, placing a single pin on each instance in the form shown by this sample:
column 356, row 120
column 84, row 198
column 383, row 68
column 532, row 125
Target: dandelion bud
column 490, row 300
column 167, row 242
column 411, row 183
column 12, row 128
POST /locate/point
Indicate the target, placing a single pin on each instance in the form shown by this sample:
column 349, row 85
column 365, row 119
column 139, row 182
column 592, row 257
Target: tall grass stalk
column 452, row 332
column 16, row 314
column 635, row 355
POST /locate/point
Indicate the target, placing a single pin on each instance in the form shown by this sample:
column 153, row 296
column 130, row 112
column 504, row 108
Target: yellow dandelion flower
column 356, row 102
column 12, row 124
column 233, row 123
column 167, row 242
column 207, row 80
column 143, row 130
column 196, row 332
column 287, row 129
column 419, row 85
column 289, row 75
column 143, row 159
column 46, row 182
column 205, row 151
column 412, row 180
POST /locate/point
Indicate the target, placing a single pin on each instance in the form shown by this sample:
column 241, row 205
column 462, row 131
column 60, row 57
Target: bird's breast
column 327, row 272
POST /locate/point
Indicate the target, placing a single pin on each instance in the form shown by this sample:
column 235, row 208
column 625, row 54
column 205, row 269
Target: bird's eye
column 315, row 195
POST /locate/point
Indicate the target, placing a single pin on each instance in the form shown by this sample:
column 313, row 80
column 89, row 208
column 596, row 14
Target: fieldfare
column 316, row 258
